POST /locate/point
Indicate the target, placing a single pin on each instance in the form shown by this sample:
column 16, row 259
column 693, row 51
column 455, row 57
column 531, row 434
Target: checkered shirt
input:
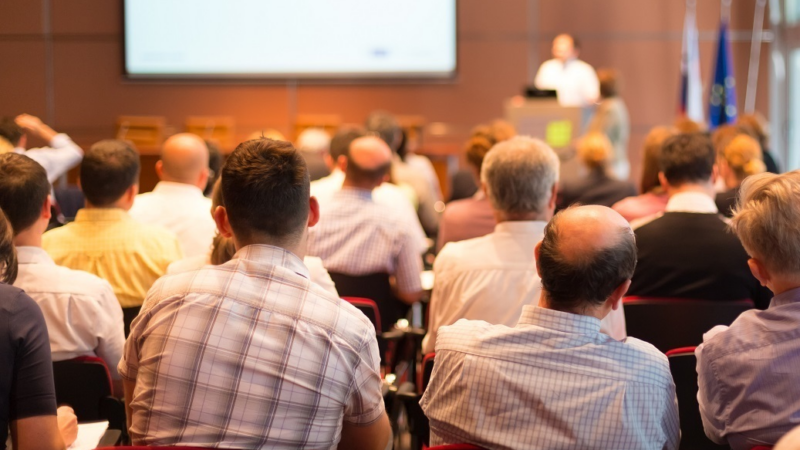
column 357, row 236
column 250, row 355
column 552, row 382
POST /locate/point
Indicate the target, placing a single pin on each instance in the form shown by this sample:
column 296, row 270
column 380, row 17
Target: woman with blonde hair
column 596, row 153
column 739, row 159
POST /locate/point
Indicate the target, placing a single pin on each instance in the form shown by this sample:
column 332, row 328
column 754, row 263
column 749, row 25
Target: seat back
column 427, row 371
column 83, row 383
column 673, row 323
column 376, row 287
column 369, row 308
column 682, row 364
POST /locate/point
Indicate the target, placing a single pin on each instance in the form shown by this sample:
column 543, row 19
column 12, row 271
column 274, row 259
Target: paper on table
column 89, row 435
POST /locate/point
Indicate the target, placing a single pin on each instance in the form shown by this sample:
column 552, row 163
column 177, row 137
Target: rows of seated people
column 220, row 320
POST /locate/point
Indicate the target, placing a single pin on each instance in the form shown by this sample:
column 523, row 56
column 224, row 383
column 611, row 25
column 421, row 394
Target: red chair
column 669, row 323
column 456, row 447
column 369, row 308
column 418, row 425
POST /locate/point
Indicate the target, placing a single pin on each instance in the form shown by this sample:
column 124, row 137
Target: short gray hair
column 766, row 218
column 519, row 175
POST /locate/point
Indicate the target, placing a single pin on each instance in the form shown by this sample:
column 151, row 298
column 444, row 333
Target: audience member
column 215, row 160
column 391, row 195
column 61, row 155
column 687, row 252
column 573, row 80
column 685, row 125
column 251, row 354
column 465, row 182
column 740, row 158
column 177, row 202
column 407, row 151
column 27, row 393
column 611, row 118
column 386, row 126
column 554, row 380
column 749, row 392
column 470, row 217
column 359, row 236
column 653, row 198
column 223, row 249
column 314, row 144
column 597, row 187
column 82, row 314
column 492, row 278
column 756, row 127
column 104, row 240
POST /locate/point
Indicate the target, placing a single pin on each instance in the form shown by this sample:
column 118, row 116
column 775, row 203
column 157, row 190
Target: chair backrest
column 682, row 364
column 427, row 370
column 671, row 323
column 83, row 383
column 369, row 308
column 375, row 287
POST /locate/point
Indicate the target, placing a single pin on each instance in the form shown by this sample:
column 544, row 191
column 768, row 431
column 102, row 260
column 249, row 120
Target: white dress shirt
column 62, row 155
column 386, row 194
column 748, row 375
column 83, row 316
column 317, row 272
column 492, row 278
column 182, row 209
column 574, row 81
column 552, row 382
column 687, row 202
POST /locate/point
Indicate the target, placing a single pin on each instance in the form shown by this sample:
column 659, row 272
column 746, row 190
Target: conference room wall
column 501, row 43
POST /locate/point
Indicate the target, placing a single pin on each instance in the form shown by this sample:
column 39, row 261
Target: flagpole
column 755, row 57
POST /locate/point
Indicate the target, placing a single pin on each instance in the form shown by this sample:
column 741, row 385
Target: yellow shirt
column 106, row 242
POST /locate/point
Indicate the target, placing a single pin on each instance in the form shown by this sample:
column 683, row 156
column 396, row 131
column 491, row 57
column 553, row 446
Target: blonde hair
column 651, row 154
column 766, row 218
column 685, row 125
column 595, row 150
column 5, row 145
column 743, row 155
column 484, row 137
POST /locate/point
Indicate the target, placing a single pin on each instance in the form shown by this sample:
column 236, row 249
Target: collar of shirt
column 102, row 215
column 692, row 202
column 354, row 193
column 33, row 255
column 559, row 321
column 276, row 256
column 786, row 298
column 527, row 227
column 172, row 188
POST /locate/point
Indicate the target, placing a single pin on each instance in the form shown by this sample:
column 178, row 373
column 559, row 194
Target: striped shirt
column 249, row 355
column 552, row 382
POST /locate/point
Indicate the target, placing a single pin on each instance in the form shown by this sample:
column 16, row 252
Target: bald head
column 587, row 253
column 368, row 161
column 184, row 159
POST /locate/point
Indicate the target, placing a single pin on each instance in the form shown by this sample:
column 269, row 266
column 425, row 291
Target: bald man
column 574, row 80
column 177, row 202
column 358, row 237
column 554, row 380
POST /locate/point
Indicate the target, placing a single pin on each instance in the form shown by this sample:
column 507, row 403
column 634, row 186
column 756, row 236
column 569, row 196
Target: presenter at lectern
column 574, row 81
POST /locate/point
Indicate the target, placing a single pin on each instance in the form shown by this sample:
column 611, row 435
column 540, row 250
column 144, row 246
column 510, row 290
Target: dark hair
column 385, row 125
column 23, row 190
column 340, row 142
column 402, row 147
column 575, row 285
column 359, row 174
column 8, row 254
column 265, row 189
column 609, row 82
column 214, row 165
column 108, row 169
column 687, row 158
column 10, row 130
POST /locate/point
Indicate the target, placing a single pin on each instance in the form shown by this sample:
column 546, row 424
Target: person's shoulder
column 70, row 281
column 464, row 334
column 643, row 360
column 15, row 302
column 751, row 330
column 455, row 251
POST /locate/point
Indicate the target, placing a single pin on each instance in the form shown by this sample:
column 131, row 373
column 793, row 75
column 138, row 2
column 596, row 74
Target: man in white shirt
column 177, row 202
column 493, row 277
column 83, row 316
column 386, row 194
column 574, row 81
column 554, row 380
column 57, row 159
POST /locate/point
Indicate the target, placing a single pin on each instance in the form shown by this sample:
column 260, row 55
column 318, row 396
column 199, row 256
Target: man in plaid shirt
column 250, row 354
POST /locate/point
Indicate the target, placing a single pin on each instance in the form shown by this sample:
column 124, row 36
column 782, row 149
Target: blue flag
column 722, row 106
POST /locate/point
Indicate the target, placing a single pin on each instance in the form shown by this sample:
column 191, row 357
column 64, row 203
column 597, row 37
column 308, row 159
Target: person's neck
column 599, row 312
column 29, row 238
column 367, row 186
column 116, row 205
column 298, row 247
column 700, row 188
column 501, row 216
column 780, row 285
column 176, row 181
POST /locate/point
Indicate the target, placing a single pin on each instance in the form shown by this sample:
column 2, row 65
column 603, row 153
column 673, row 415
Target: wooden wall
column 62, row 60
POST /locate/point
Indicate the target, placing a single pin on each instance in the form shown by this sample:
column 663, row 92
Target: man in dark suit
column 688, row 251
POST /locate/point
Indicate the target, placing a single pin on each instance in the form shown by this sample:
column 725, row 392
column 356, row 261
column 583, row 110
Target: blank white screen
column 290, row 38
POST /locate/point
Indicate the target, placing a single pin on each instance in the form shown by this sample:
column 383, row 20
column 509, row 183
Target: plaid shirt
column 552, row 382
column 250, row 355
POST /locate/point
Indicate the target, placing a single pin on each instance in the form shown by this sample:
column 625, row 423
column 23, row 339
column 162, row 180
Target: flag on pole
column 722, row 106
column 691, row 96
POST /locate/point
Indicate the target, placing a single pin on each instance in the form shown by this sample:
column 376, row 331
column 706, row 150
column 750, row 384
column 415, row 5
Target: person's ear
column 536, row 251
column 714, row 173
column 159, row 169
column 551, row 205
column 202, row 181
column 615, row 298
column 46, row 212
column 759, row 271
column 341, row 163
column 223, row 225
column 313, row 211
column 23, row 141
column 663, row 180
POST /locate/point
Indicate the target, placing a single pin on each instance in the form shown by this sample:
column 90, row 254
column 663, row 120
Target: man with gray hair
column 747, row 373
column 554, row 380
column 493, row 277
